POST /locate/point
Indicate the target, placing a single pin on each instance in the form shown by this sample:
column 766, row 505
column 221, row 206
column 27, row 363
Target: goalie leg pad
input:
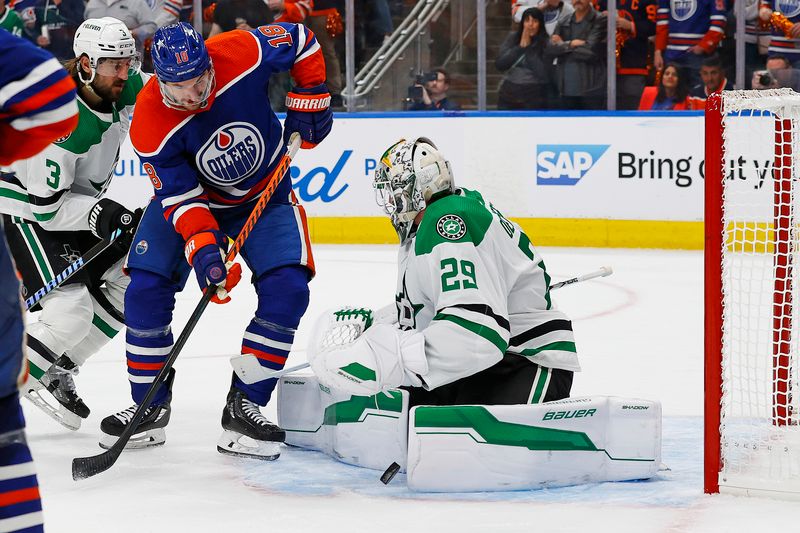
column 519, row 447
column 366, row 431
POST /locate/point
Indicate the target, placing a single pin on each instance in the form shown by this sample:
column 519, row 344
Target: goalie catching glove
column 205, row 251
column 348, row 353
column 308, row 113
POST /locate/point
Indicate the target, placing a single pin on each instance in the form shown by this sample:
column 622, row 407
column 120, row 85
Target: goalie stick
column 250, row 370
column 84, row 467
column 71, row 269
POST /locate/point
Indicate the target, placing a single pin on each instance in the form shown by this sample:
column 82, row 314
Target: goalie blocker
column 465, row 448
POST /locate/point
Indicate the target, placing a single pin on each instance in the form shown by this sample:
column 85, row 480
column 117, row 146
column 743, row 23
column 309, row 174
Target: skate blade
column 140, row 441
column 66, row 418
column 233, row 443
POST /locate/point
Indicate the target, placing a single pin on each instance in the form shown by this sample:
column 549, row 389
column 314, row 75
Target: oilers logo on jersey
column 683, row 9
column 790, row 8
column 232, row 154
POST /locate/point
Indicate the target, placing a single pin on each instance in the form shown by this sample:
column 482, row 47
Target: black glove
column 107, row 216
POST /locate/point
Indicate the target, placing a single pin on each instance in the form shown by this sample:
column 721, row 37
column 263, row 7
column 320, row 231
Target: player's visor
column 107, row 66
column 190, row 94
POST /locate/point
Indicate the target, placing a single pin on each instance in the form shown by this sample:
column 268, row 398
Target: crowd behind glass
column 547, row 54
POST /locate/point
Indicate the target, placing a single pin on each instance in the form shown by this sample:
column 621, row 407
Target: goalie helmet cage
column 752, row 440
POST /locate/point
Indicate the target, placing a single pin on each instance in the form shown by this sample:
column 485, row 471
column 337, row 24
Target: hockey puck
column 390, row 472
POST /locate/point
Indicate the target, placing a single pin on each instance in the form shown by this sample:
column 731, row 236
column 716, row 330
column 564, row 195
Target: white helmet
column 105, row 37
column 411, row 174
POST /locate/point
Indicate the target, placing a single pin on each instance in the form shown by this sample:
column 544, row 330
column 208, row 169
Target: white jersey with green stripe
column 58, row 187
column 472, row 282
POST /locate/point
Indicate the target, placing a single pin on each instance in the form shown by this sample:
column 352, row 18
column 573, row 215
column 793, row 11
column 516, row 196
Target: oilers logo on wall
column 683, row 9
column 790, row 8
column 232, row 154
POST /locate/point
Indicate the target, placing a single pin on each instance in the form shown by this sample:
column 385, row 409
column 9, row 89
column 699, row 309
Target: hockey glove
column 205, row 251
column 349, row 353
column 107, row 216
column 308, row 113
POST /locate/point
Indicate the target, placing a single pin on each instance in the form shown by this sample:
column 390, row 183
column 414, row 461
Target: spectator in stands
column 381, row 25
column 784, row 42
column 433, row 93
column 555, row 12
column 778, row 73
column 670, row 94
column 10, row 20
column 713, row 81
column 579, row 49
column 528, row 78
column 240, row 15
column 636, row 23
column 135, row 14
column 756, row 39
column 55, row 24
column 688, row 32
column 170, row 11
column 326, row 22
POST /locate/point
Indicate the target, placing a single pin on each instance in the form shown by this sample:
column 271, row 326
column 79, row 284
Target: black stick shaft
column 70, row 271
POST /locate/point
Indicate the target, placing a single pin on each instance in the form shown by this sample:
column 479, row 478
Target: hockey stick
column 71, row 269
column 601, row 273
column 250, row 370
column 84, row 467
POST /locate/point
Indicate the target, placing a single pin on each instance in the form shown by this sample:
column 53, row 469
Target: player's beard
column 110, row 93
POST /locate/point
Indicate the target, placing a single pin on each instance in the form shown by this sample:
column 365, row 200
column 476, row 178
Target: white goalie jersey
column 471, row 281
column 58, row 187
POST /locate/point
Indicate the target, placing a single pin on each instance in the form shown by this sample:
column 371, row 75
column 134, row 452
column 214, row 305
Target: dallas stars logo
column 70, row 255
column 408, row 310
column 451, row 227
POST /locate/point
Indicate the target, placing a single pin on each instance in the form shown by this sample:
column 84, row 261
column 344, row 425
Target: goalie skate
column 246, row 432
column 61, row 401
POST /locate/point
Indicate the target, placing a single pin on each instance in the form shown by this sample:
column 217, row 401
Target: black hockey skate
column 151, row 429
column 246, row 433
column 59, row 382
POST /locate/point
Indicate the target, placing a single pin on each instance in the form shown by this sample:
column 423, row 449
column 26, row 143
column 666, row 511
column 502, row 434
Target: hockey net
column 751, row 178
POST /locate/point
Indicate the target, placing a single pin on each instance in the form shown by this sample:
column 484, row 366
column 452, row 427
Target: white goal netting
column 759, row 435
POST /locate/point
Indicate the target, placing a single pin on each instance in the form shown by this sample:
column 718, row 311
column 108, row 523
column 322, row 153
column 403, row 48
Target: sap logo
column 565, row 164
column 319, row 183
column 232, row 154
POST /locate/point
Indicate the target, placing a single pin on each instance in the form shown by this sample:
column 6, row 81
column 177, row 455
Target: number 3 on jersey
column 457, row 274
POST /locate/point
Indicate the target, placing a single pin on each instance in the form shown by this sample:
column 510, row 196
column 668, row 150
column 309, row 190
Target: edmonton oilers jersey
column 682, row 24
column 780, row 44
column 220, row 156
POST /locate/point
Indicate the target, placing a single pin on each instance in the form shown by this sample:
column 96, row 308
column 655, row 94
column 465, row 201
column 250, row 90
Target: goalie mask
column 411, row 174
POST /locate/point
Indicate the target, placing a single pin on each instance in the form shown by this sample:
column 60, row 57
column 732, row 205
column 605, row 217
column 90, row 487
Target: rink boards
column 597, row 179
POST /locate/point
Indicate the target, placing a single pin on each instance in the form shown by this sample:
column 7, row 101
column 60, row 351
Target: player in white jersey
column 477, row 324
column 54, row 211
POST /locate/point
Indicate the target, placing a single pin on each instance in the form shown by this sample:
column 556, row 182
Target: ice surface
column 639, row 334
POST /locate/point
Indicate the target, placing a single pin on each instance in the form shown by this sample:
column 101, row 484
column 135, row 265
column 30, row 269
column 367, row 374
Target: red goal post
column 752, row 440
